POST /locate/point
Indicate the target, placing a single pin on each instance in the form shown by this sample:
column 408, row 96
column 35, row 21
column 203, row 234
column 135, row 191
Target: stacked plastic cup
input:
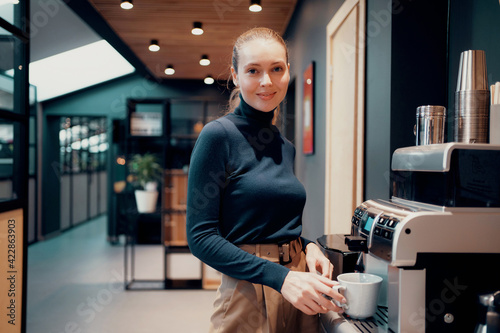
column 472, row 99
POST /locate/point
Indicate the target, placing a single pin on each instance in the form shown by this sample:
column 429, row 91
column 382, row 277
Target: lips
column 266, row 96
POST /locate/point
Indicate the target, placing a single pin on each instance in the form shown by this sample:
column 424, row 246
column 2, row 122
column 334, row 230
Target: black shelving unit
column 143, row 135
column 173, row 150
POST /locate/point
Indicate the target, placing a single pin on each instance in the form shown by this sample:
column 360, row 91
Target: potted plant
column 147, row 172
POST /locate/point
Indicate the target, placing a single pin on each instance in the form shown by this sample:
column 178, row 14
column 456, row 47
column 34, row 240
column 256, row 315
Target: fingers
column 317, row 261
column 321, row 265
column 320, row 304
column 333, row 295
column 327, row 269
column 315, row 303
column 306, row 291
column 329, row 294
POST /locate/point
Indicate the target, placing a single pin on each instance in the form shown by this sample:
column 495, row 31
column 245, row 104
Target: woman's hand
column 317, row 262
column 306, row 292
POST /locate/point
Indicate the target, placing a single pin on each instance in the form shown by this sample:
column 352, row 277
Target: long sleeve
column 208, row 181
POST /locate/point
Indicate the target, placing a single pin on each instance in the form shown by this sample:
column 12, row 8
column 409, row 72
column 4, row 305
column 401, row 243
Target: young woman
column 245, row 205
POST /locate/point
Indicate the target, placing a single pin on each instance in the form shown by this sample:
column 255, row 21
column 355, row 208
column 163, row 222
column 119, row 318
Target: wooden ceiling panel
column 170, row 22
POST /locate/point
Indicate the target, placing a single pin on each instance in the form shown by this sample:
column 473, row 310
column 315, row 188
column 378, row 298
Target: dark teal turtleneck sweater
column 242, row 190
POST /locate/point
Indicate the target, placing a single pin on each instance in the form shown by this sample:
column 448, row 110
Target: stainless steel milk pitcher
column 430, row 125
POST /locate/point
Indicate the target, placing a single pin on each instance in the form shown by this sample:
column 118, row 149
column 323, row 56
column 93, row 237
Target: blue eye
column 278, row 69
column 252, row 71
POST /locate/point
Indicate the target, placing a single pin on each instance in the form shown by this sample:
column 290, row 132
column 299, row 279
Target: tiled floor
column 75, row 285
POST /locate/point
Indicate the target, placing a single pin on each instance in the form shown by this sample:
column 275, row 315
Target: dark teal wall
column 306, row 38
column 378, row 98
column 109, row 99
column 51, row 177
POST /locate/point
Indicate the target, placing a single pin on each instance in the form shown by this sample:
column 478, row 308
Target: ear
column 235, row 76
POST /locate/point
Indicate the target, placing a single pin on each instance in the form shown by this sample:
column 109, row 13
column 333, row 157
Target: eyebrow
column 257, row 64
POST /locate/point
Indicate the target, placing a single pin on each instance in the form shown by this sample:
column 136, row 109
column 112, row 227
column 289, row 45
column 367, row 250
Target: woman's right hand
column 306, row 292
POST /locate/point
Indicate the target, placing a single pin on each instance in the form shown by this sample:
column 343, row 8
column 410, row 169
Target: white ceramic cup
column 361, row 292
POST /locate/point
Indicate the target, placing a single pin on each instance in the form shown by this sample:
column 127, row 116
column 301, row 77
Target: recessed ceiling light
column 255, row 6
column 169, row 70
column 127, row 4
column 209, row 80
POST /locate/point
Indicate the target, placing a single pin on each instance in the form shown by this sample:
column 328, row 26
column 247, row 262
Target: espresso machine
column 435, row 243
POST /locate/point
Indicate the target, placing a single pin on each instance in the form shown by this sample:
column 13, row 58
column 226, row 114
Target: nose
column 266, row 80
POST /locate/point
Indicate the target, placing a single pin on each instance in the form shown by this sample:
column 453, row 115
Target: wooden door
column 344, row 115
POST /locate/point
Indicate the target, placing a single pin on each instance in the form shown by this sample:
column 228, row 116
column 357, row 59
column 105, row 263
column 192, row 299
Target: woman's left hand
column 317, row 262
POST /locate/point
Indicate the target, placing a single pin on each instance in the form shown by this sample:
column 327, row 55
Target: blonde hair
column 250, row 35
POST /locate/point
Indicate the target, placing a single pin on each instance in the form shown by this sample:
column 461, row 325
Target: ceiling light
column 204, row 61
column 154, row 46
column 169, row 70
column 255, row 6
column 209, row 80
column 127, row 4
column 197, row 30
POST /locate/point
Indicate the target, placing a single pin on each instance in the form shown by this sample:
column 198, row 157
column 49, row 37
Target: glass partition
column 10, row 146
column 7, row 12
column 9, row 46
column 14, row 126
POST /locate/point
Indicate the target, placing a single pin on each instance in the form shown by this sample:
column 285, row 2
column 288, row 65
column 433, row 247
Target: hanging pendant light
column 204, row 61
column 127, row 4
column 197, row 29
column 169, row 70
column 154, row 46
column 255, row 6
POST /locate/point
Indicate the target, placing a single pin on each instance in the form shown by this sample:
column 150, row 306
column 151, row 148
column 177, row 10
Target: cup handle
column 415, row 129
column 340, row 289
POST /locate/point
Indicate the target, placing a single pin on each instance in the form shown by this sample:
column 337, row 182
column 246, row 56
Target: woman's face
column 262, row 73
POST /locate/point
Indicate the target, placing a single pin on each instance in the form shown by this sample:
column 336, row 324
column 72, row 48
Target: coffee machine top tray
column 450, row 174
column 435, row 157
column 398, row 230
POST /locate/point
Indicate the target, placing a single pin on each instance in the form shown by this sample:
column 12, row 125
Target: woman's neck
column 244, row 109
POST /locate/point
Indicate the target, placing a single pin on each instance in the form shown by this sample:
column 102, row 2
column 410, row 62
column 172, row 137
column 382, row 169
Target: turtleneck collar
column 247, row 111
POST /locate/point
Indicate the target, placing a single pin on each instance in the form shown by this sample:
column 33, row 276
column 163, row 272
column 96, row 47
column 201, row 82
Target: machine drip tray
column 334, row 322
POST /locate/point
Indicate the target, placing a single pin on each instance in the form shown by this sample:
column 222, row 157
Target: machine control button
column 391, row 223
column 387, row 234
column 381, row 221
column 378, row 231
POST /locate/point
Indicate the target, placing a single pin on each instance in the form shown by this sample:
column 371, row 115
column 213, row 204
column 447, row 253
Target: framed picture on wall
column 308, row 111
